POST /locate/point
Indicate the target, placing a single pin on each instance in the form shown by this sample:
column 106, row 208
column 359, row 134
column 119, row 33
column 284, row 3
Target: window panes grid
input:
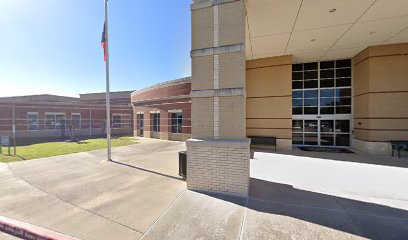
column 331, row 132
column 156, row 122
column 176, row 122
column 32, row 121
column 321, row 88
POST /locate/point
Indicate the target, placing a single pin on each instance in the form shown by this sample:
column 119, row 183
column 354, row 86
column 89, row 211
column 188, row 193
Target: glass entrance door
column 327, row 131
column 321, row 103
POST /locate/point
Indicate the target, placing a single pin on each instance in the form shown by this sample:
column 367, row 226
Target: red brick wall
column 163, row 105
column 97, row 120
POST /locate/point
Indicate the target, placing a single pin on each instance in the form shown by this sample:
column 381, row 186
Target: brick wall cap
column 219, row 143
column 163, row 84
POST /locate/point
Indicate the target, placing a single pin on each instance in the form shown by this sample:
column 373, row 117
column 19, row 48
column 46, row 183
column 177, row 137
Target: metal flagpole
column 108, row 127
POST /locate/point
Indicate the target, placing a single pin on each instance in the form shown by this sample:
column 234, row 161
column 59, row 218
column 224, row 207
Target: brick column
column 218, row 154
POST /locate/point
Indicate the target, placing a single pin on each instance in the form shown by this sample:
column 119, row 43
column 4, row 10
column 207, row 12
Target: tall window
column 321, row 88
column 321, row 101
column 54, row 120
column 32, row 121
column 156, row 122
column 76, row 120
column 176, row 122
column 121, row 120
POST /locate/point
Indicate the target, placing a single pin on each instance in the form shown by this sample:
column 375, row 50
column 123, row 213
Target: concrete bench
column 263, row 141
column 398, row 146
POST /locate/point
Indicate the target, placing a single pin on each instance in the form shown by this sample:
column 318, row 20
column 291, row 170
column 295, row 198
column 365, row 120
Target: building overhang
column 322, row 29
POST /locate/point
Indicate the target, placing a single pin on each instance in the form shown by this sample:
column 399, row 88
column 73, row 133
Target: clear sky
column 53, row 46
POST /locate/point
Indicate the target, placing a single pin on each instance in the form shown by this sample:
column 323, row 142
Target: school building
column 51, row 116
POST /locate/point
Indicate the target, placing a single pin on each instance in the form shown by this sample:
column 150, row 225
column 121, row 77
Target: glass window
column 326, row 110
column 342, row 140
column 156, row 122
column 311, row 110
column 49, row 121
column 310, row 66
column 297, row 85
column 297, row 75
column 297, row 138
column 327, row 65
column 344, row 72
column 76, row 120
column 311, row 139
column 311, row 125
column 32, row 121
column 327, row 83
column 297, row 102
column 297, row 67
column 343, row 110
column 343, row 126
column 297, row 125
column 311, row 75
column 343, row 92
column 327, row 139
column 60, row 121
column 327, row 73
column 311, row 93
column 176, row 122
column 116, row 121
column 343, row 63
column 311, row 102
column 327, row 93
column 343, row 82
column 297, row 111
column 311, row 84
column 326, row 102
column 297, row 94
column 327, row 125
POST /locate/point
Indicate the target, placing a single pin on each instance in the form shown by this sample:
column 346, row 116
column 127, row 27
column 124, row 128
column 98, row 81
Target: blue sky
column 53, row 46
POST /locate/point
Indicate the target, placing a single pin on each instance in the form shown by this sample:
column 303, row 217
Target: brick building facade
column 44, row 116
column 163, row 110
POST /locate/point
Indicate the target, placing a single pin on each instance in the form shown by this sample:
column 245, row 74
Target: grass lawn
column 49, row 149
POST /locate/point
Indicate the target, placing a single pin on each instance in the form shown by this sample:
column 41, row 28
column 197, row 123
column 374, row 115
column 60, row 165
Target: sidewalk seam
column 161, row 215
column 244, row 220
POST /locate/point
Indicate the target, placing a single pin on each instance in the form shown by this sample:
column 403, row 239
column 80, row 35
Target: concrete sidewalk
column 82, row 196
column 141, row 197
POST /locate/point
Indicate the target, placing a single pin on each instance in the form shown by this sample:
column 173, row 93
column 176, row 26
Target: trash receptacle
column 183, row 164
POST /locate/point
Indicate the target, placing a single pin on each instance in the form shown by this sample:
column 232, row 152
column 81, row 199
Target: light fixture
column 332, row 10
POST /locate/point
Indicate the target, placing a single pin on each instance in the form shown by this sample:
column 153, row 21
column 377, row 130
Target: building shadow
column 364, row 219
column 381, row 160
column 147, row 170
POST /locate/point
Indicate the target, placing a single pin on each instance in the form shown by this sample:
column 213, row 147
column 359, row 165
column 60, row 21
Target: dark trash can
column 183, row 164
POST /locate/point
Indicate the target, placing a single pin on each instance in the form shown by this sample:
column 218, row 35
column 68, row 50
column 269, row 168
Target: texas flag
column 103, row 41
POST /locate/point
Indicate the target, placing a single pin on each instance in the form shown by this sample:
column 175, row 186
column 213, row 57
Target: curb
column 27, row 231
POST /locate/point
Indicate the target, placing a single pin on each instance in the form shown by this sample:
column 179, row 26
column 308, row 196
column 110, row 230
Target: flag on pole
column 103, row 41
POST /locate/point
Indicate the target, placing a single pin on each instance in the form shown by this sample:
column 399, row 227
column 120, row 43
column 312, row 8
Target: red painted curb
column 27, row 231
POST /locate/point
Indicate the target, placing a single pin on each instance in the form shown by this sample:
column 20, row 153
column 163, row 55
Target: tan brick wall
column 269, row 99
column 218, row 166
column 380, row 92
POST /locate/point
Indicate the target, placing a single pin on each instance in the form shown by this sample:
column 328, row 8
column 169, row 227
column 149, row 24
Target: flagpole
column 108, row 127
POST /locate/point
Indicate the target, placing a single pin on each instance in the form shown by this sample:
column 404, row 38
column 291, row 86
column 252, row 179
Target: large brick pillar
column 218, row 153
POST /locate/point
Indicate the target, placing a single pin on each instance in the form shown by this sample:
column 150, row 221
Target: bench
column 398, row 146
column 263, row 141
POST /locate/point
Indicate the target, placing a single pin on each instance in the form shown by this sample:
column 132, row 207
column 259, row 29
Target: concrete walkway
column 140, row 197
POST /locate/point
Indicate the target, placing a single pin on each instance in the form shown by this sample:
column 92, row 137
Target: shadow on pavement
column 364, row 219
column 345, row 157
column 147, row 170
